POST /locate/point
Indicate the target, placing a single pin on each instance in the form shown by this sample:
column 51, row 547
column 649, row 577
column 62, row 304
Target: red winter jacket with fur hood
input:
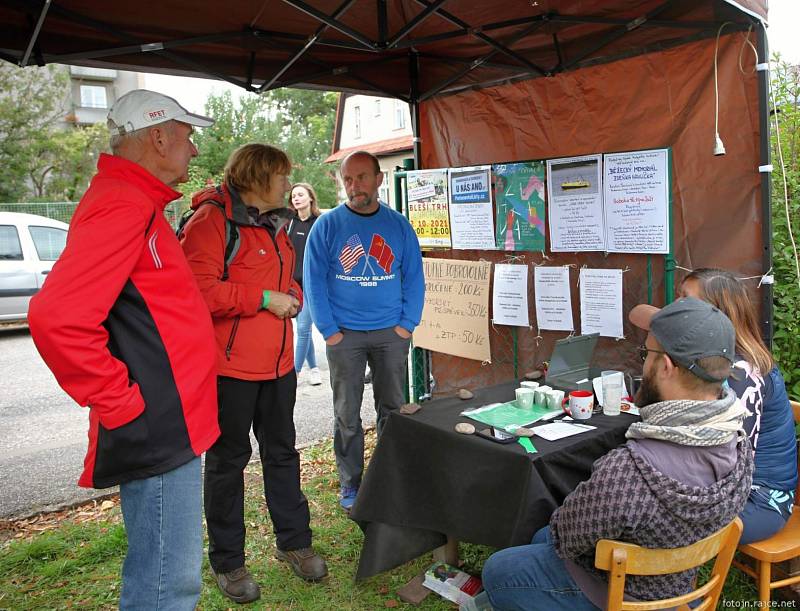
column 252, row 343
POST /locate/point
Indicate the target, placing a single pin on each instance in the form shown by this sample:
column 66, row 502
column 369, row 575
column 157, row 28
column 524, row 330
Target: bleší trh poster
column 426, row 193
column 519, row 194
column 471, row 217
column 575, row 196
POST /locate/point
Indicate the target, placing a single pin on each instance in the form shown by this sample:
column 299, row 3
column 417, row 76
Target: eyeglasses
column 643, row 350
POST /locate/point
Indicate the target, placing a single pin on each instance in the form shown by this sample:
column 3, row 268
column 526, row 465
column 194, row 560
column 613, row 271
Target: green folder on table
column 508, row 416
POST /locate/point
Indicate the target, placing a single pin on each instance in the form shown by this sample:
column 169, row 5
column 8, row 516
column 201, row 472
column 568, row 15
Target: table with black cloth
column 425, row 482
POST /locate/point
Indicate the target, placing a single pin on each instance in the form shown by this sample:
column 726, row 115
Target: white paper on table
column 601, row 302
column 575, row 204
column 510, row 295
column 559, row 430
column 636, row 200
column 471, row 215
column 553, row 298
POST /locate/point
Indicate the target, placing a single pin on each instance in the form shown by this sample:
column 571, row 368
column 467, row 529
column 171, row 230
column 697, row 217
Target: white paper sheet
column 636, row 199
column 575, row 199
column 510, row 295
column 553, row 298
column 559, row 430
column 601, row 302
column 471, row 215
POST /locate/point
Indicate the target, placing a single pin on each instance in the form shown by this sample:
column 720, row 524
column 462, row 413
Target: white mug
column 579, row 404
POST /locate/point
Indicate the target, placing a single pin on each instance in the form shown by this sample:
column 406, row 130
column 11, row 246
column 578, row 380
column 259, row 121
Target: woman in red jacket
column 243, row 260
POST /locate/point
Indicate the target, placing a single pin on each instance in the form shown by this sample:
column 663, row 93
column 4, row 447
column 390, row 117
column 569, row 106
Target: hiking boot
column 314, row 377
column 347, row 497
column 305, row 563
column 238, row 585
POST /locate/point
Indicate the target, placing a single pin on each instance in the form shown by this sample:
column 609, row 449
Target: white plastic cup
column 529, row 384
column 541, row 395
column 525, row 397
column 555, row 399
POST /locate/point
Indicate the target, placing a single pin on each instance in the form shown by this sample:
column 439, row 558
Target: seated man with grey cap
column 125, row 330
column 683, row 474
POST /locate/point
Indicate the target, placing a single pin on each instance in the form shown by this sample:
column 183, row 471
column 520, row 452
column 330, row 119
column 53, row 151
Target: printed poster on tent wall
column 636, row 201
column 471, row 216
column 575, row 196
column 426, row 194
column 519, row 194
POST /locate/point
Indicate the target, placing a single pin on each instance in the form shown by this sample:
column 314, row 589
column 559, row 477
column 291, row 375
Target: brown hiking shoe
column 305, row 563
column 238, row 585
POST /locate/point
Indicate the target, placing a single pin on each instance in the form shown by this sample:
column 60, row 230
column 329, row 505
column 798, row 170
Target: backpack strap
column 231, row 234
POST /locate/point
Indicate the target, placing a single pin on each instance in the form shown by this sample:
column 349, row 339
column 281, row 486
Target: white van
column 29, row 246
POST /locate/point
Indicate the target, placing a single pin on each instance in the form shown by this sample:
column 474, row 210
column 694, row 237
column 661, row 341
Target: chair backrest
column 621, row 559
column 796, row 411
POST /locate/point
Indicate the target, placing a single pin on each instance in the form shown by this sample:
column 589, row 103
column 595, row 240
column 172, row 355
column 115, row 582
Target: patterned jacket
column 627, row 499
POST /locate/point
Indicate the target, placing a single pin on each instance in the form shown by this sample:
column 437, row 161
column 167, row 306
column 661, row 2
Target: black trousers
column 269, row 407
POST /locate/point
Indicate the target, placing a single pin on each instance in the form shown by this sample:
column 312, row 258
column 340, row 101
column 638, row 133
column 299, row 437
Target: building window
column 93, row 96
column 399, row 114
column 377, row 108
column 357, row 110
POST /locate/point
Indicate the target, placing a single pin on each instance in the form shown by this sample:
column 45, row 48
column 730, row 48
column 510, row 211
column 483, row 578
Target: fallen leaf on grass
column 106, row 505
column 391, row 603
column 383, row 590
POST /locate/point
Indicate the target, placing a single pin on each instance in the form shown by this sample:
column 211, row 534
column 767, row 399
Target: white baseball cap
column 141, row 108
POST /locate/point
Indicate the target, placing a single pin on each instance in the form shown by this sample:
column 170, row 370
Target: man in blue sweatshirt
column 362, row 275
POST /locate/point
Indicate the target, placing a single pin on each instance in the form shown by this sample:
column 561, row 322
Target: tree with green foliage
column 785, row 222
column 299, row 122
column 44, row 157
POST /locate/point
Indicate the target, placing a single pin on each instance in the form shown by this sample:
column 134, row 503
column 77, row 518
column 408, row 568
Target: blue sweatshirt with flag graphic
column 363, row 271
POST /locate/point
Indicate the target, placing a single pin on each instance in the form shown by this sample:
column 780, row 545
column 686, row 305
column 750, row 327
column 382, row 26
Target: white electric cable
column 783, row 176
column 719, row 147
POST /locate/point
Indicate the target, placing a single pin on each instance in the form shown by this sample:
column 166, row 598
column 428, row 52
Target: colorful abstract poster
column 426, row 194
column 471, row 216
column 519, row 193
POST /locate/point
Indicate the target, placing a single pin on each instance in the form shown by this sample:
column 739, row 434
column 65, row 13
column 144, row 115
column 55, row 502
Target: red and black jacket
column 121, row 324
column 252, row 343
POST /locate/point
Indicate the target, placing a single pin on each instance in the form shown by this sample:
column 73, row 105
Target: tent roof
column 411, row 49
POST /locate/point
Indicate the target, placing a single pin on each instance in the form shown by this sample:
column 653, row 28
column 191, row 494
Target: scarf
column 691, row 423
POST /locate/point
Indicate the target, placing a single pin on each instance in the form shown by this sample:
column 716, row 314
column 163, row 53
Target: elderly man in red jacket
column 124, row 329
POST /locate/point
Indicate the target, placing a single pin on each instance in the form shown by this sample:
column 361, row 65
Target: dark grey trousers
column 387, row 354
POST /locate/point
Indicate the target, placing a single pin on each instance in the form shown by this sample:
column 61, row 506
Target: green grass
column 77, row 565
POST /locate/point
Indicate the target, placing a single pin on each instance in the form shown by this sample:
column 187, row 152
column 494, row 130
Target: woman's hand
column 283, row 305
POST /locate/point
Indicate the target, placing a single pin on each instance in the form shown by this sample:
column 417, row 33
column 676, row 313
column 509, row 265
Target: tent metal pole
column 486, row 39
column 302, row 50
column 478, row 62
column 35, row 35
column 411, row 25
column 413, row 73
column 383, row 22
column 336, row 25
column 766, row 185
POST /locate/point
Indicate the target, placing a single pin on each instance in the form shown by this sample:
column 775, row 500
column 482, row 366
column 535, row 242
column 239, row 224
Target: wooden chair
column 783, row 545
column 621, row 559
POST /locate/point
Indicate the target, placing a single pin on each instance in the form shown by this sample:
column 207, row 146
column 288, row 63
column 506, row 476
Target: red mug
column 579, row 404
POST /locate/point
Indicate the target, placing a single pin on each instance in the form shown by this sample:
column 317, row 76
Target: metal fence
column 63, row 211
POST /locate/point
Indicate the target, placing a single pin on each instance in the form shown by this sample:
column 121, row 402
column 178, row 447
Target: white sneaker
column 314, row 377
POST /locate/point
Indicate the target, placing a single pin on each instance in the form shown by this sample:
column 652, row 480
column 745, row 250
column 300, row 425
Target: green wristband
column 265, row 300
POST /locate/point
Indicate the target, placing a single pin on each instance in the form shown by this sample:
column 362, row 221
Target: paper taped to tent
column 491, row 82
